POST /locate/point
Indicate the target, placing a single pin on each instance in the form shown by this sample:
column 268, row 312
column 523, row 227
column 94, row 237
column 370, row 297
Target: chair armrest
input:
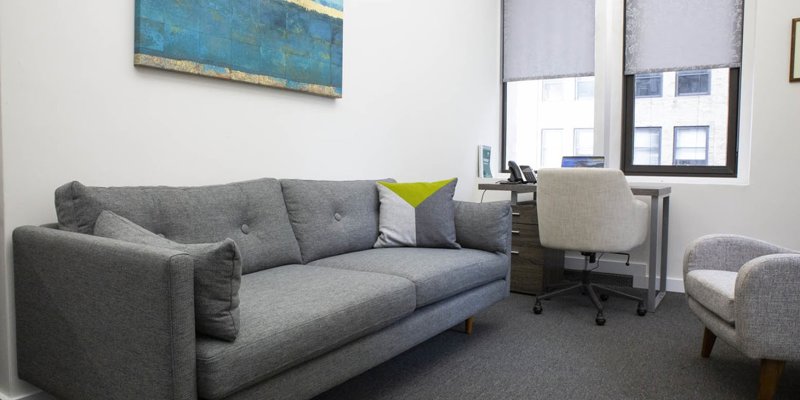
column 484, row 226
column 768, row 307
column 101, row 318
column 726, row 252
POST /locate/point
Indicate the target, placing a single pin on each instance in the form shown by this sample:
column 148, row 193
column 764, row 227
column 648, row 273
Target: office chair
column 590, row 210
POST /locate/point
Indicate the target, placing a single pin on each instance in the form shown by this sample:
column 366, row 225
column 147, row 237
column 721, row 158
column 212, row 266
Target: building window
column 692, row 83
column 649, row 85
column 552, row 151
column 691, row 145
column 552, row 90
column 647, row 146
column 584, row 88
column 583, row 142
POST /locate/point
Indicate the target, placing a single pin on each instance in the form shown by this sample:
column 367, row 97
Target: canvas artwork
column 288, row 44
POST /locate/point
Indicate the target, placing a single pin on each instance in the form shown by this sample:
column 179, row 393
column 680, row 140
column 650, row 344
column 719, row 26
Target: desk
column 659, row 231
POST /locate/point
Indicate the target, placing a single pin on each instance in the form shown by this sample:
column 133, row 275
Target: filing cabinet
column 533, row 267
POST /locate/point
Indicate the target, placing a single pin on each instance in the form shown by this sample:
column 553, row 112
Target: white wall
column 421, row 91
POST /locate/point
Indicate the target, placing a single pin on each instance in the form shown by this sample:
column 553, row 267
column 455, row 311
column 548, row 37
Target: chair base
column 586, row 286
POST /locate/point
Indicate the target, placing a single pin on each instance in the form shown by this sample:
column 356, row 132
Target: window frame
column 575, row 141
column 675, row 129
column 660, row 85
column 660, row 136
column 678, row 75
column 729, row 170
column 578, row 81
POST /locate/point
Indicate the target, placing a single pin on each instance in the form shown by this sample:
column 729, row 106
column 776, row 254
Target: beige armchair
column 746, row 292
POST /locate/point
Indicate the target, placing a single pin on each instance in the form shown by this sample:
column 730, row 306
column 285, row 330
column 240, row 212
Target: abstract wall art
column 288, row 44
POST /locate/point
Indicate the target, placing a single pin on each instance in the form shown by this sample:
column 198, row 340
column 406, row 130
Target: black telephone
column 523, row 174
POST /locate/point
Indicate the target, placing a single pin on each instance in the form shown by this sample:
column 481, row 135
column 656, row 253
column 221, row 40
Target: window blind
column 676, row 35
column 545, row 39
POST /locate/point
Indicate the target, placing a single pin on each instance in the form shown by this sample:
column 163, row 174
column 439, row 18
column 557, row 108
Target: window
column 649, row 85
column 693, row 83
column 584, row 88
column 552, row 90
column 548, row 80
column 698, row 107
column 551, row 147
column 647, row 146
column 704, row 126
column 527, row 116
column 583, row 142
column 691, row 145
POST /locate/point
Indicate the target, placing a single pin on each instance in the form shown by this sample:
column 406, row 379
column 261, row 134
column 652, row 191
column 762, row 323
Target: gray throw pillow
column 217, row 273
column 419, row 214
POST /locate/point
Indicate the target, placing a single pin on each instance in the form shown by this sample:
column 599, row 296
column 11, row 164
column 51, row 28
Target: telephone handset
column 523, row 174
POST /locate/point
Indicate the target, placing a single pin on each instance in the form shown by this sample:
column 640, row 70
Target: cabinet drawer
column 524, row 214
column 525, row 235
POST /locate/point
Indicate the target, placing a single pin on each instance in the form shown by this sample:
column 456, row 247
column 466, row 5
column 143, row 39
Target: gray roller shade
column 670, row 35
column 547, row 39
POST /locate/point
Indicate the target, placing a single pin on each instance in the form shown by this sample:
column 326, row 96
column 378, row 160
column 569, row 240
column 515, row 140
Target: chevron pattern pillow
column 419, row 214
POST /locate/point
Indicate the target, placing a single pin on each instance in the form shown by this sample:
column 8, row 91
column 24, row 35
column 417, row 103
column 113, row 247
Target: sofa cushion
column 332, row 217
column 217, row 273
column 294, row 313
column 714, row 290
column 251, row 213
column 437, row 273
column 417, row 214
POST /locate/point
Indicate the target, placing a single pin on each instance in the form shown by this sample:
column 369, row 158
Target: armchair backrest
column 589, row 209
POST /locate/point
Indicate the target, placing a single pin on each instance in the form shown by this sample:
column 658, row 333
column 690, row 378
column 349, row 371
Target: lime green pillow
column 419, row 214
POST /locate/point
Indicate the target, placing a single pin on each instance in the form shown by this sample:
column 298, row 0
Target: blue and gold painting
column 288, row 44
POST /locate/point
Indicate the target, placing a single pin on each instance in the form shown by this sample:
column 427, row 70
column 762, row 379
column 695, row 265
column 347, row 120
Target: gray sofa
column 101, row 318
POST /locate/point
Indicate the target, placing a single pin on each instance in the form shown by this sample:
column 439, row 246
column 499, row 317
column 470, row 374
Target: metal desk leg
column 658, row 254
column 664, row 248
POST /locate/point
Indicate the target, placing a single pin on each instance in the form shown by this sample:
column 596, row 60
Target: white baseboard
column 615, row 266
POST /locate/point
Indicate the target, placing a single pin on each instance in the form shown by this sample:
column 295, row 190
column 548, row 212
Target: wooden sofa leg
column 468, row 325
column 770, row 375
column 709, row 338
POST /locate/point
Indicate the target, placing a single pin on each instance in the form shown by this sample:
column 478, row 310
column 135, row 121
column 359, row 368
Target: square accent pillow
column 217, row 273
column 419, row 214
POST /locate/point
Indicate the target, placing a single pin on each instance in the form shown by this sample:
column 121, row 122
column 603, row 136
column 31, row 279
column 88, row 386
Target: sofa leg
column 468, row 325
column 770, row 374
column 709, row 338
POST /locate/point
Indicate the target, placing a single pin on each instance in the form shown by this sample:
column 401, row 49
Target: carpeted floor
column 562, row 354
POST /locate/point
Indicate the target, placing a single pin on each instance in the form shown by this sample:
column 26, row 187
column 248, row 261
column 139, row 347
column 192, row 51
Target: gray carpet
column 562, row 354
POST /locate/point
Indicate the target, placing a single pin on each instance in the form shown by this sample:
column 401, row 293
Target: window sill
column 689, row 180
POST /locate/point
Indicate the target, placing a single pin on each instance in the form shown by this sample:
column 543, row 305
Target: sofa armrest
column 100, row 318
column 726, row 252
column 768, row 307
column 484, row 226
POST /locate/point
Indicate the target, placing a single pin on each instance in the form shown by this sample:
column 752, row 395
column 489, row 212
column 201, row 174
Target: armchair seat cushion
column 714, row 290
column 294, row 313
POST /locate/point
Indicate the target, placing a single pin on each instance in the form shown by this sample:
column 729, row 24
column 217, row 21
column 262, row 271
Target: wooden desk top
column 638, row 189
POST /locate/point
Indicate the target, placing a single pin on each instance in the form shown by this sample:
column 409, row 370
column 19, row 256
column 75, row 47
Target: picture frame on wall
column 794, row 64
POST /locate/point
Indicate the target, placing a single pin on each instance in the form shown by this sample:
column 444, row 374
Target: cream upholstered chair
column 591, row 210
column 746, row 292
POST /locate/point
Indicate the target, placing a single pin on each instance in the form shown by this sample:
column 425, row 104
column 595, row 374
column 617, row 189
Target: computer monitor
column 583, row 162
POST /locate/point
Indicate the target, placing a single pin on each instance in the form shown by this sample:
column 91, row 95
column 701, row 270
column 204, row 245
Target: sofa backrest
column 252, row 213
column 332, row 217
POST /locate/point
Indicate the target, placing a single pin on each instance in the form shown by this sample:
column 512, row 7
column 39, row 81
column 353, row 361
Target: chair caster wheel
column 537, row 308
column 641, row 310
column 603, row 297
column 600, row 320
